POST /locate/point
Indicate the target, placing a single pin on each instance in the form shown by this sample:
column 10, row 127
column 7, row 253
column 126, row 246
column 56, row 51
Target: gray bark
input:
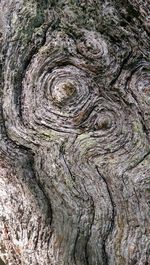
column 75, row 132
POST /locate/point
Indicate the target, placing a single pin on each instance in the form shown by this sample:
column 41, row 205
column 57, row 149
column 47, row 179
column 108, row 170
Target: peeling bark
column 75, row 132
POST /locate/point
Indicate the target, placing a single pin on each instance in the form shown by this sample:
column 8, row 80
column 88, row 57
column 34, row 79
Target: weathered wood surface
column 75, row 132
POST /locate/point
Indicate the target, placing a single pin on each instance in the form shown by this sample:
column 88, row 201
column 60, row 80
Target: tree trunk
column 75, row 132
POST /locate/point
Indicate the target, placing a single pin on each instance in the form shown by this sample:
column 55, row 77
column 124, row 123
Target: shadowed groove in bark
column 112, row 220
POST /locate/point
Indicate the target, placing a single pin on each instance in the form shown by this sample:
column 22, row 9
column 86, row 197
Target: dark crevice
column 36, row 177
column 132, row 13
column 62, row 154
column 85, row 250
column 26, row 64
column 90, row 229
column 121, row 68
column 18, row 89
column 14, row 147
column 105, row 256
column 75, row 243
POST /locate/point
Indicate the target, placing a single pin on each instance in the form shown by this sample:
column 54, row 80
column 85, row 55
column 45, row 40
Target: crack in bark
column 27, row 62
column 62, row 152
column 105, row 256
column 126, row 59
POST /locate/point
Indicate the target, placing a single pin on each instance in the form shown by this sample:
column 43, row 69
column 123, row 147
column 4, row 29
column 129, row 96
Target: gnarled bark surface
column 75, row 132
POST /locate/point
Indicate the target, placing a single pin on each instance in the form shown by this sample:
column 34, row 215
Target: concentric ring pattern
column 59, row 93
column 58, row 97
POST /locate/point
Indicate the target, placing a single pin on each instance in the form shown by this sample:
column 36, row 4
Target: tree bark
column 75, row 132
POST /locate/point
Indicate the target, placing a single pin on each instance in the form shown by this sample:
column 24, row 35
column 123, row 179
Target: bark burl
column 75, row 132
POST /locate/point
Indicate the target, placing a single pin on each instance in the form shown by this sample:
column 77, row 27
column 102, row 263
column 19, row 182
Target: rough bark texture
column 75, row 132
